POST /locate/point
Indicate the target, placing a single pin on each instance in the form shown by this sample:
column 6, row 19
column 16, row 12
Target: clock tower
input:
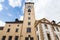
column 28, row 29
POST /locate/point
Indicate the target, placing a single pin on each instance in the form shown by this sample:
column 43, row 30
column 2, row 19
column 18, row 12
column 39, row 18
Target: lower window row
column 10, row 38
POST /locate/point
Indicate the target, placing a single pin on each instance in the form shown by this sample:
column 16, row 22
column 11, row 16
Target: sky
column 12, row 9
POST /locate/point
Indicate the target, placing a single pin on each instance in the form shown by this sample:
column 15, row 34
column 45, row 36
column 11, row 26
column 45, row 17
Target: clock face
column 29, row 7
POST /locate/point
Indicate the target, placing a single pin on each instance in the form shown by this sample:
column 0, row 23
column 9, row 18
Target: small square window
column 17, row 25
column 29, row 23
column 9, row 25
column 28, row 13
column 28, row 18
column 29, row 35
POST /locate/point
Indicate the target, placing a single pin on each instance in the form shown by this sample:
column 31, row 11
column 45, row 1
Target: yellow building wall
column 1, row 33
column 12, row 32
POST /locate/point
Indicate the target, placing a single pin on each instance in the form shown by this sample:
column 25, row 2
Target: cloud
column 6, row 8
column 49, row 9
column 21, row 18
column 1, row 7
column 23, row 8
column 9, row 14
column 2, row 23
column 15, row 3
column 40, row 8
column 2, row 0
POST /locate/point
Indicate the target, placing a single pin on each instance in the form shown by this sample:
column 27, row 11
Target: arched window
column 29, row 10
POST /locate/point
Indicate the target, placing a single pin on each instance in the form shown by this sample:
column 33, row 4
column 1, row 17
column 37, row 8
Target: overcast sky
column 12, row 9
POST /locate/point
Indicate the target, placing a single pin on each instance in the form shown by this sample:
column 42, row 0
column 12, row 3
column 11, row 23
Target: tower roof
column 16, row 21
column 29, row 2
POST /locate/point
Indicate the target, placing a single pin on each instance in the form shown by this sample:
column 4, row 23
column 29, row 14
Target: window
column 8, row 30
column 29, row 23
column 36, row 28
column 9, row 25
column 38, row 37
column 28, row 13
column 17, row 30
column 57, row 37
column 28, row 18
column 4, row 37
column 26, row 38
column 16, row 37
column 46, row 26
column 48, row 35
column 31, row 38
column 17, row 25
column 10, row 38
column 29, row 10
column 53, row 28
column 57, row 28
column 28, row 29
